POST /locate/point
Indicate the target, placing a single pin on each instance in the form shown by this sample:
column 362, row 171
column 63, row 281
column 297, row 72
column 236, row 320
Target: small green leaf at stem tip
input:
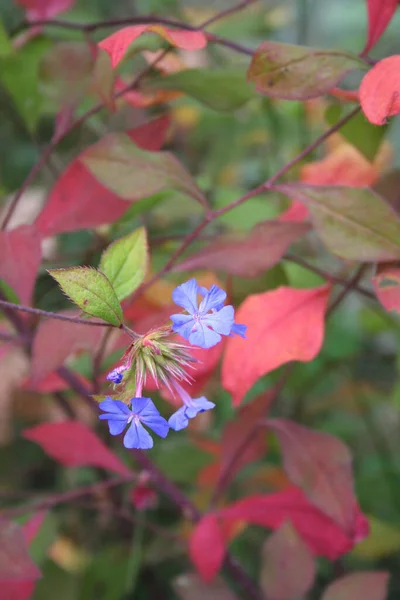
column 91, row 291
column 124, row 262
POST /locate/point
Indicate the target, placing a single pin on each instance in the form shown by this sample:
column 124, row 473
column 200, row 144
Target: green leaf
column 91, row 291
column 133, row 173
column 298, row 72
column 19, row 75
column 124, row 263
column 222, row 90
column 361, row 134
column 6, row 47
column 8, row 292
column 354, row 223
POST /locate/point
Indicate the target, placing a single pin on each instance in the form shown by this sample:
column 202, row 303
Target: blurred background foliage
column 351, row 390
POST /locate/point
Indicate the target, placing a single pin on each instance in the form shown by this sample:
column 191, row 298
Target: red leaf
column 207, row 547
column 323, row 536
column 288, row 569
column 379, row 91
column 370, row 585
column 23, row 590
column 118, row 43
column 15, row 562
column 20, row 256
column 37, row 10
column 31, row 527
column 296, row 212
column 79, row 201
column 73, row 444
column 282, row 325
column 52, row 383
column 387, row 288
column 380, row 13
column 247, row 255
column 56, row 340
column 322, row 466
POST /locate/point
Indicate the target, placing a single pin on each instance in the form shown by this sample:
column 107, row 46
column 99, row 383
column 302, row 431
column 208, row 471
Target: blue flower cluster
column 203, row 326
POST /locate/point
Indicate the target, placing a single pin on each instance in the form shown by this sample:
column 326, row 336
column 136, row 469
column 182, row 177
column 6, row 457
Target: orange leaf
column 387, row 288
column 344, row 166
column 380, row 91
column 117, row 44
column 282, row 325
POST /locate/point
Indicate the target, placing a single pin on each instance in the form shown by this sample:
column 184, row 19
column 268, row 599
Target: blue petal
column 198, row 405
column 215, row 297
column 158, row 424
column 178, row 420
column 115, row 406
column 203, row 336
column 185, row 295
column 140, row 404
column 221, row 321
column 114, row 417
column 137, row 437
column 182, row 324
column 116, row 427
column 149, row 415
column 238, row 329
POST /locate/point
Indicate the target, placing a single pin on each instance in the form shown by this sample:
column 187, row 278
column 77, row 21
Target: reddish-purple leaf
column 379, row 91
column 15, row 562
column 56, row 340
column 73, row 444
column 243, row 431
column 79, row 201
column 298, row 72
column 322, row 466
column 323, row 536
column 354, row 223
column 247, row 255
column 118, row 43
column 282, row 325
column 207, row 547
column 380, row 13
column 288, row 568
column 387, row 287
column 37, row 10
column 20, row 257
column 369, row 585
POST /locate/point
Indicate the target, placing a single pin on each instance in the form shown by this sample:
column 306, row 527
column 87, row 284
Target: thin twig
column 51, row 315
column 328, row 276
column 63, row 497
column 228, row 12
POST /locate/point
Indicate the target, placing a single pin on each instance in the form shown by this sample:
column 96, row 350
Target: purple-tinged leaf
column 288, row 568
column 354, row 223
column 322, row 466
column 247, row 255
column 297, row 72
column 370, row 585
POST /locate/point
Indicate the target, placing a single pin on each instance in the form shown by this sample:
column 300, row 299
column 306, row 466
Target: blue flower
column 191, row 407
column 143, row 411
column 116, row 374
column 204, row 324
